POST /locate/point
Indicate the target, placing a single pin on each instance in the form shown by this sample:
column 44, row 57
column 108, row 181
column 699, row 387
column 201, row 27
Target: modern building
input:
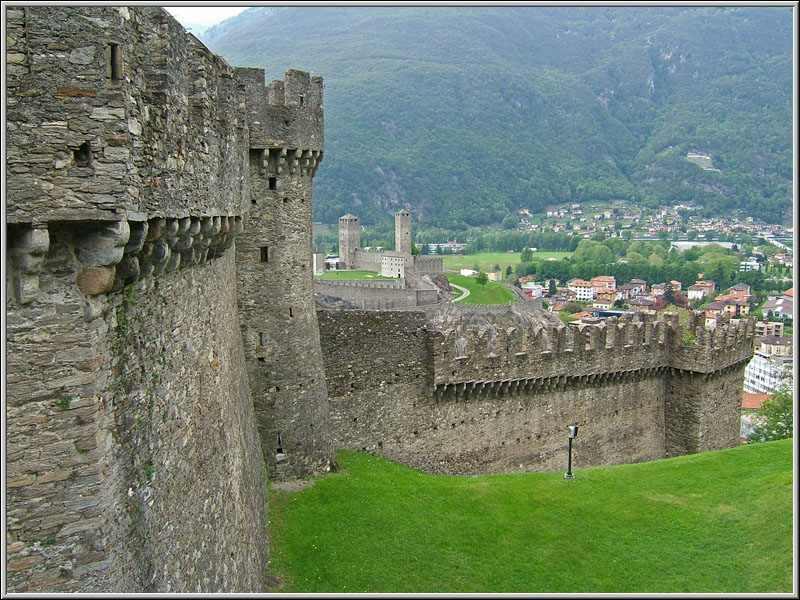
column 584, row 290
column 604, row 281
column 750, row 265
column 701, row 289
column 771, row 367
column 769, row 328
column 533, row 290
column 780, row 306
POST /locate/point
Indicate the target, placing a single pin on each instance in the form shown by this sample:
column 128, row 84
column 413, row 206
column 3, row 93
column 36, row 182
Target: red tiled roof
column 789, row 292
column 753, row 401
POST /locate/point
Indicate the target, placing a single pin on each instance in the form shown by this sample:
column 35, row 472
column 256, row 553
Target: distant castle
column 165, row 354
column 415, row 275
column 388, row 264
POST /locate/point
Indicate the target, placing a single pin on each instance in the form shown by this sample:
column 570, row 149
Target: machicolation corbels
column 275, row 162
column 27, row 247
column 113, row 254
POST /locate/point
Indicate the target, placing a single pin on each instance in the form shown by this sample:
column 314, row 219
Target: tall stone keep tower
column 273, row 264
column 349, row 240
column 402, row 231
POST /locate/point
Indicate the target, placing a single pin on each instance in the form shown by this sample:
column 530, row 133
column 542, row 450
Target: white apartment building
column 767, row 374
column 584, row 290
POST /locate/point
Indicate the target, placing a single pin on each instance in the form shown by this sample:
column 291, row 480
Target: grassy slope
column 491, row 293
column 713, row 522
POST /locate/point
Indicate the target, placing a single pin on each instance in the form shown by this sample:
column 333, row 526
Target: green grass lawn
column 705, row 523
column 350, row 275
column 487, row 260
column 491, row 293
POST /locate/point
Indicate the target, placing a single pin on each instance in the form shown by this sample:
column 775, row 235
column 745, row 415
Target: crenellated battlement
column 705, row 350
column 286, row 122
column 513, row 353
column 395, row 284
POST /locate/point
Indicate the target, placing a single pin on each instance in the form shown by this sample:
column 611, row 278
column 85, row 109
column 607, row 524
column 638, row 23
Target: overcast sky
column 203, row 15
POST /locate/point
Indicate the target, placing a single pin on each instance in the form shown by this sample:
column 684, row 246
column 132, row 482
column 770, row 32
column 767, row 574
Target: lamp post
column 573, row 433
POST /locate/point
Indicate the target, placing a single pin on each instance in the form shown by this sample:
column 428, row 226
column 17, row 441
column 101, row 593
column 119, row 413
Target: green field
column 491, row 293
column 350, row 275
column 487, row 260
column 716, row 522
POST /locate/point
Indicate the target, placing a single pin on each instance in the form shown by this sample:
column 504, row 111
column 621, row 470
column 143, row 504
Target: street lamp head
column 573, row 431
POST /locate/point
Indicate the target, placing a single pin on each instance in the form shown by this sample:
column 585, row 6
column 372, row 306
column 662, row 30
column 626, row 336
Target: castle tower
column 274, row 270
column 349, row 240
column 402, row 231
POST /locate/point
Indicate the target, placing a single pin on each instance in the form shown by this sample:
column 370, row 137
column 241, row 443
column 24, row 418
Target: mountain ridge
column 464, row 115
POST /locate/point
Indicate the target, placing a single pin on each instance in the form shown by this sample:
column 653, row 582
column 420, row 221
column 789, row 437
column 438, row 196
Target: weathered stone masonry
column 450, row 397
column 134, row 461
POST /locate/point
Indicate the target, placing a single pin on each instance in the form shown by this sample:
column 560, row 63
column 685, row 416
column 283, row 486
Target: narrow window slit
column 115, row 62
column 264, row 254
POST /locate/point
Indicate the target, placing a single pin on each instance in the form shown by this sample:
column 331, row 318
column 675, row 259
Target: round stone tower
column 349, row 240
column 276, row 285
column 402, row 231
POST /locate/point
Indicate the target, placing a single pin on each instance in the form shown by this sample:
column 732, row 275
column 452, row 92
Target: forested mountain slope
column 464, row 114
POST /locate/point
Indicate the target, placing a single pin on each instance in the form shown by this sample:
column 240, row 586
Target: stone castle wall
column 367, row 260
column 499, row 399
column 377, row 295
column 427, row 265
column 135, row 160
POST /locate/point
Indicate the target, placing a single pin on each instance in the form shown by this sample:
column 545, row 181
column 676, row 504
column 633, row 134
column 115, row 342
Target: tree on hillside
column 669, row 293
column 634, row 257
column 481, row 278
column 680, row 300
column 775, row 419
